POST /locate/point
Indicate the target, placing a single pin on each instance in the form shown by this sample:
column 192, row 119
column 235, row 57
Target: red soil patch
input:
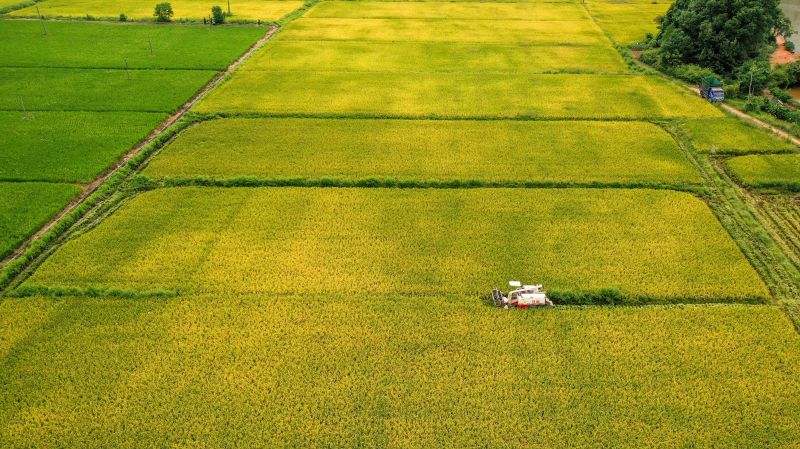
column 782, row 55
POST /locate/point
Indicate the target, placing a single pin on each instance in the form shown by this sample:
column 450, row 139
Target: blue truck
column 711, row 89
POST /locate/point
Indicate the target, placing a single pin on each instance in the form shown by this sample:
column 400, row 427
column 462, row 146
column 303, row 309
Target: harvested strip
column 441, row 150
column 652, row 243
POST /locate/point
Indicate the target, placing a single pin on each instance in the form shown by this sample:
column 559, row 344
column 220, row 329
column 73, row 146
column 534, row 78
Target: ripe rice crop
column 443, row 95
column 421, row 30
column 99, row 90
column 27, row 206
column 143, row 9
column 104, row 45
column 652, row 243
column 627, row 23
column 731, row 135
column 448, row 10
column 68, row 146
column 396, row 372
column 305, row 56
column 440, row 150
column 771, row 170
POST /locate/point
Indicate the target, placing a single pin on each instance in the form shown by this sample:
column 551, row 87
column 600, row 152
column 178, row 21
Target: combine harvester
column 523, row 296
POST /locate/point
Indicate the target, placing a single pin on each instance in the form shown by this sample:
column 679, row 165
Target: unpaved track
column 90, row 188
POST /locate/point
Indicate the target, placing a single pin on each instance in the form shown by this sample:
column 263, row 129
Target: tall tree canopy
column 719, row 34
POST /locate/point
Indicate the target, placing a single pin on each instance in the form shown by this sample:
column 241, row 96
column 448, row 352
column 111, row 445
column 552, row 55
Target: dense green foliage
column 407, row 241
column 773, row 170
column 163, row 12
column 496, row 151
column 719, row 34
column 105, row 45
column 423, row 372
column 732, row 135
column 25, row 207
column 68, row 146
column 99, row 90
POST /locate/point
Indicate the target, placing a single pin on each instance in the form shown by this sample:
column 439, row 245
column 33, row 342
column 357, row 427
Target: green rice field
column 417, row 242
column 104, row 45
column 506, row 151
column 68, row 146
column 251, row 10
column 769, row 170
column 25, row 207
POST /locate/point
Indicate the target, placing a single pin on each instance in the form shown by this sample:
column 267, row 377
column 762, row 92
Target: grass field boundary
column 9, row 8
column 376, row 182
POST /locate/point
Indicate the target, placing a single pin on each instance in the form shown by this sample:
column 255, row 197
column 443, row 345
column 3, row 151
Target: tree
column 217, row 15
column 164, row 12
column 719, row 34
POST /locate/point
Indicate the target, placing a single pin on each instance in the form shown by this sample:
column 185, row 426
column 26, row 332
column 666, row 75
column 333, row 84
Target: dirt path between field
column 90, row 188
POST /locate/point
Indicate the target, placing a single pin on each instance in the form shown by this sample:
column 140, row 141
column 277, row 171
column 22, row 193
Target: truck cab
column 711, row 89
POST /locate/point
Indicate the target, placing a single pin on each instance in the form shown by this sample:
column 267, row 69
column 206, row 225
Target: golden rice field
column 731, row 135
column 407, row 241
column 768, row 170
column 627, row 22
column 265, row 10
column 405, row 57
column 426, row 372
column 426, row 151
column 451, row 95
column 567, row 11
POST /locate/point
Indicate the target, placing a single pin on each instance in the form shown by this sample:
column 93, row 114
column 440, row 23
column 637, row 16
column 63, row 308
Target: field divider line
column 90, row 188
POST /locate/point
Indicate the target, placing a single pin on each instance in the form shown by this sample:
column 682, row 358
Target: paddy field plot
column 43, row 89
column 448, row 10
column 454, row 94
column 250, row 10
column 731, row 135
column 396, row 372
column 768, row 170
column 359, row 56
column 455, row 30
column 418, row 150
column 104, row 45
column 27, row 206
column 627, row 23
column 68, row 146
column 375, row 242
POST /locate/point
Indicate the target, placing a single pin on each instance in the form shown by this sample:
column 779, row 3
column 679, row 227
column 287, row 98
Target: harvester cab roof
column 522, row 296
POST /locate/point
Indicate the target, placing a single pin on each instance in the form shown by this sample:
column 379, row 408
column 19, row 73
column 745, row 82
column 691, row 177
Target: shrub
column 217, row 16
column 649, row 57
column 789, row 45
column 780, row 94
column 692, row 73
column 163, row 12
column 123, row 17
column 755, row 74
column 732, row 90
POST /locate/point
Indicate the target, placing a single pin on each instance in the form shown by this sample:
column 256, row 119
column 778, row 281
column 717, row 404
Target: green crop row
column 426, row 151
column 304, row 371
column 645, row 243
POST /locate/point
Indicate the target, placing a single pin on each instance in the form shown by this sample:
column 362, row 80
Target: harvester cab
column 522, row 296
